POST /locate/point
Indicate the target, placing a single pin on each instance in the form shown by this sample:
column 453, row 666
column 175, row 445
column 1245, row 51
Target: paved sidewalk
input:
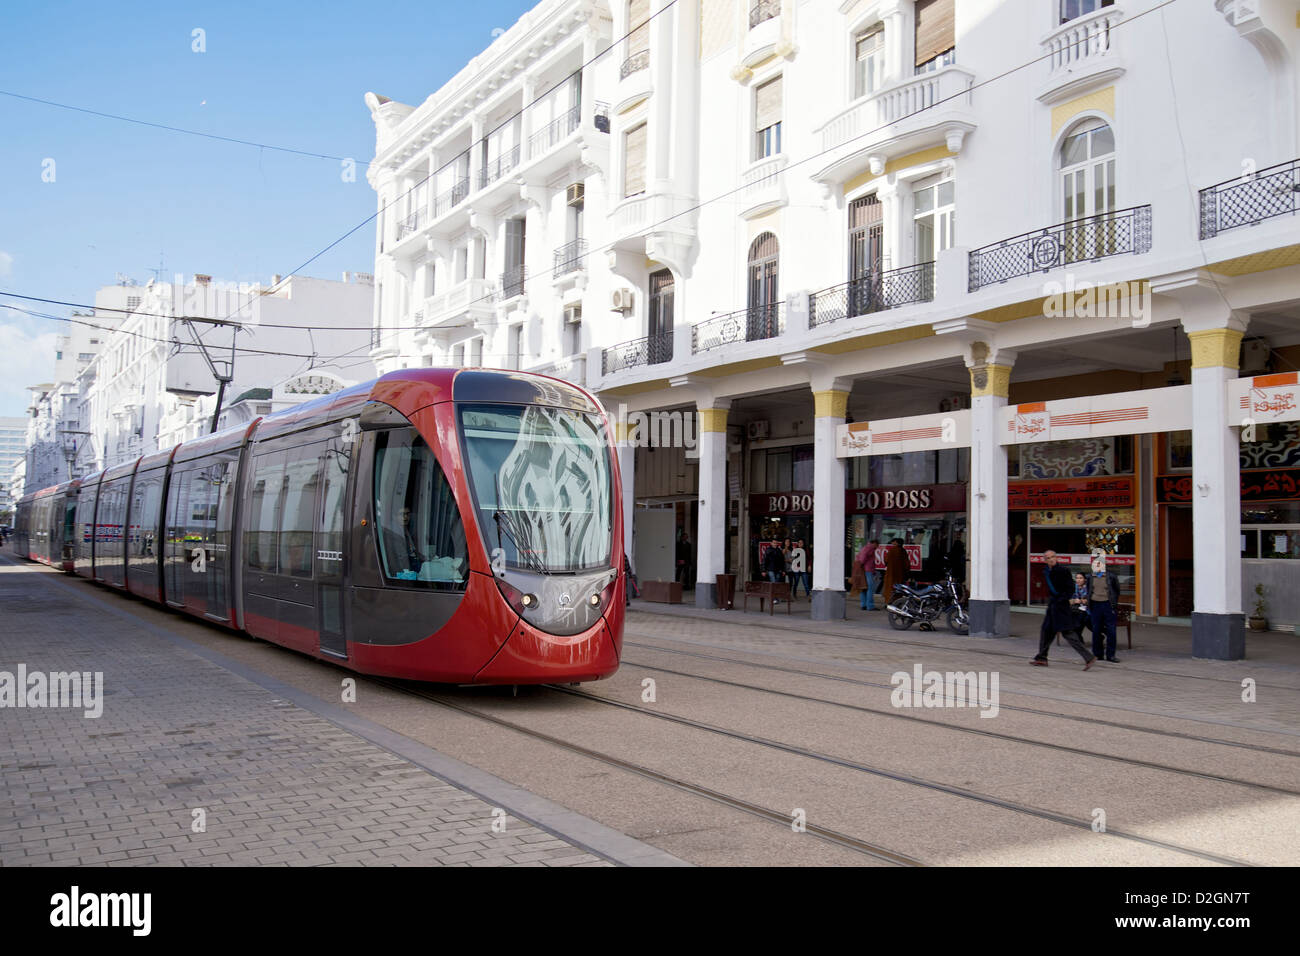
column 192, row 764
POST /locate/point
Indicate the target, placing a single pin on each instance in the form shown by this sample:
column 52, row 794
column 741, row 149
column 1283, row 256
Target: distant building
column 13, row 444
column 151, row 387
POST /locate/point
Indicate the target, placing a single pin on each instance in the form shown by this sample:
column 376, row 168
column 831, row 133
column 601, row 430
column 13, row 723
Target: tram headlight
column 594, row 600
column 528, row 600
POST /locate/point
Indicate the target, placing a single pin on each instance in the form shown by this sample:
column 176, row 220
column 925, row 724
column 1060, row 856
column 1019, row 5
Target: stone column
column 1218, row 631
column 990, row 379
column 830, row 408
column 627, row 475
column 711, row 556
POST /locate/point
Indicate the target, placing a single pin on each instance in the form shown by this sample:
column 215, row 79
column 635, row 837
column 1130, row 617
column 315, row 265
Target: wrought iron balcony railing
column 570, row 257
column 637, row 61
column 761, row 10
column 744, row 325
column 494, row 170
column 453, row 197
column 554, row 131
column 512, row 283
column 651, row 350
column 872, row 293
column 1117, row 233
column 410, row 224
column 1249, row 200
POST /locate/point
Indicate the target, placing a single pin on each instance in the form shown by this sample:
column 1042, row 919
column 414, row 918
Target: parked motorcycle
column 910, row 604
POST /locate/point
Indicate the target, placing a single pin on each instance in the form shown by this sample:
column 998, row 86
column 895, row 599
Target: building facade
column 1098, row 353
column 13, row 448
column 150, row 386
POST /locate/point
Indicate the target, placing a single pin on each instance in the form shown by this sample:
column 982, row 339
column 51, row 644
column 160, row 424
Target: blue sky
column 289, row 74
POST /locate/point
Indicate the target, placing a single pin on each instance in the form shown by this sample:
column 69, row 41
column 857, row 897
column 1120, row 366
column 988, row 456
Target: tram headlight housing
column 594, row 600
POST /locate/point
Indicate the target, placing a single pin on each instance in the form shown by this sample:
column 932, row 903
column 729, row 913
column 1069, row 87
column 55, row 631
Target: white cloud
column 6, row 263
column 26, row 358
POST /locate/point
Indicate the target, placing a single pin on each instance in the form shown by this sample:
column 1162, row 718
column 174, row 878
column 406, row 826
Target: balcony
column 1080, row 55
column 872, row 293
column 916, row 112
column 762, row 186
column 761, row 10
column 446, row 201
column 498, row 167
column 512, row 283
column 570, row 257
column 652, row 350
column 553, row 132
column 1123, row 232
column 466, row 303
column 1250, row 200
column 410, row 224
column 754, row 324
column 640, row 60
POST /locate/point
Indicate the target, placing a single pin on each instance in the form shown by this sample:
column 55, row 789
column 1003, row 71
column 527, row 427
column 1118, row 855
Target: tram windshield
column 541, row 482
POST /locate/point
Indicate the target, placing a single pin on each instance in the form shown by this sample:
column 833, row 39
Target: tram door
column 330, row 522
column 296, row 608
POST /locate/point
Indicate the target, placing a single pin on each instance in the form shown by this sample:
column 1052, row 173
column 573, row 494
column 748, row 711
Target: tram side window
column 144, row 519
column 421, row 536
column 333, row 501
column 202, row 512
column 302, row 477
column 267, row 490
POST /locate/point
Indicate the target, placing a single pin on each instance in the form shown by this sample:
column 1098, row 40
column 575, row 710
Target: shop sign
column 781, row 503
column 1264, row 398
column 1272, row 485
column 1099, row 493
column 1121, row 560
column 894, row 436
column 1099, row 416
column 913, row 552
column 916, row 499
column 1083, row 518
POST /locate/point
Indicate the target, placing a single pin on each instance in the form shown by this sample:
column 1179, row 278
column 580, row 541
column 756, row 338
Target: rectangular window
column 634, row 147
column 476, row 352
column 264, row 512
column 421, row 537
column 1071, row 9
column 935, row 32
column 517, row 346
column 302, row 476
column 767, row 119
column 638, row 40
column 869, row 62
column 934, row 217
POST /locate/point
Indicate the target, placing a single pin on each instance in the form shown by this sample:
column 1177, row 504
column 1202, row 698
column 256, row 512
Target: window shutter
column 638, row 12
column 634, row 144
column 935, row 28
column 767, row 104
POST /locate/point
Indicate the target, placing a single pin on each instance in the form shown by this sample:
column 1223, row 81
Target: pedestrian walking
column 1103, row 608
column 895, row 568
column 864, row 570
column 1060, row 617
column 1079, row 602
column 806, row 574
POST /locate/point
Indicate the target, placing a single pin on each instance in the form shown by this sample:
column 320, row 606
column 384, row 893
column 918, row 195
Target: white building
column 859, row 239
column 13, row 447
column 151, row 387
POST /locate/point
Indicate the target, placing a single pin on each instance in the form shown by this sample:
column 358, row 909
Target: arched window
column 764, row 315
column 1087, row 176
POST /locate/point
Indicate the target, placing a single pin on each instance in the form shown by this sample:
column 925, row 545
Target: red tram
column 446, row 525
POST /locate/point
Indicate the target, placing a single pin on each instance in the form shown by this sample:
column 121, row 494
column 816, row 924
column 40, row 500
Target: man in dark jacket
column 1103, row 608
column 1059, row 618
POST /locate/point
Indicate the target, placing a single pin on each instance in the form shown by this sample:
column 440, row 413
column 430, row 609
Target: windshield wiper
column 523, row 547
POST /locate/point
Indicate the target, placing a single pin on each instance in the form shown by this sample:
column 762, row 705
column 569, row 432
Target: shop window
column 1178, row 451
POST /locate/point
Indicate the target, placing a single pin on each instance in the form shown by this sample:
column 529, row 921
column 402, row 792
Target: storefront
column 929, row 519
column 778, row 516
column 1270, row 522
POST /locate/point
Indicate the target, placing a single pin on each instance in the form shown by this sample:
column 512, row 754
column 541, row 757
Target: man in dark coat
column 1059, row 618
column 1103, row 608
column 895, row 569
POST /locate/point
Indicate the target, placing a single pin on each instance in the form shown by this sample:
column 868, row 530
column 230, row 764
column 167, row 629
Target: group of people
column 1079, row 601
column 779, row 561
column 866, row 578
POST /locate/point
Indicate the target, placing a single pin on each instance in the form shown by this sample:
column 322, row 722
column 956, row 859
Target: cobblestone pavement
column 191, row 764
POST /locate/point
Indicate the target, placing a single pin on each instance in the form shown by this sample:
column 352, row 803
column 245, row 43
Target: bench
column 662, row 592
column 767, row 591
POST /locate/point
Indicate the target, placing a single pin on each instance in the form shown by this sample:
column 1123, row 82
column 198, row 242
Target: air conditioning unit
column 758, row 430
column 572, row 314
column 602, row 122
column 621, row 301
column 575, row 194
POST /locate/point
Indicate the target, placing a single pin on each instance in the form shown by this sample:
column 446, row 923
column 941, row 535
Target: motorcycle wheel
column 898, row 622
column 959, row 620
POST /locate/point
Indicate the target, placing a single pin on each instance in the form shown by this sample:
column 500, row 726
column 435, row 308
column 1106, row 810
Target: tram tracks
column 1097, row 721
column 825, row 834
